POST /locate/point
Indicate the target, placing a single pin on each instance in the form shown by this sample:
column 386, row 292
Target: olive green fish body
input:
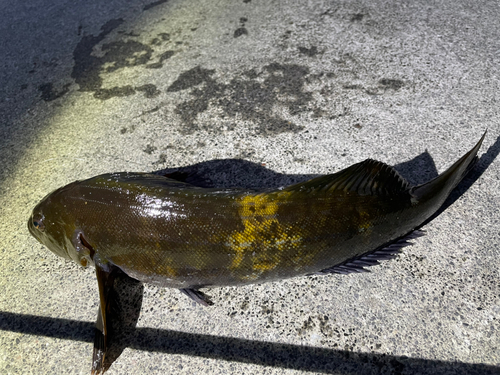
column 185, row 237
column 173, row 234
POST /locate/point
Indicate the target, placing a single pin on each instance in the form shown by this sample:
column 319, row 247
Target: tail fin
column 440, row 187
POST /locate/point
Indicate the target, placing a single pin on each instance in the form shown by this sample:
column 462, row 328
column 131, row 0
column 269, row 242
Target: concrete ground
column 261, row 93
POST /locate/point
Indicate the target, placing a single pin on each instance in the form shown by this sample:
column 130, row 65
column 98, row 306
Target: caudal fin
column 440, row 187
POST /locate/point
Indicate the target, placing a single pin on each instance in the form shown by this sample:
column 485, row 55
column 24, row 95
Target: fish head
column 53, row 224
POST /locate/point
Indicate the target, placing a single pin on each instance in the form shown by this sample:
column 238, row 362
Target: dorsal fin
column 370, row 177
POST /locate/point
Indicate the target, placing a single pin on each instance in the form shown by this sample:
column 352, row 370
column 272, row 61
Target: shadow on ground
column 297, row 357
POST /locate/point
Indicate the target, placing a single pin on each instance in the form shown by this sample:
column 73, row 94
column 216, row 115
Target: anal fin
column 372, row 258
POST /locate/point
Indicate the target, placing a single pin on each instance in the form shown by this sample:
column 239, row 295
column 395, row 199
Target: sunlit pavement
column 261, row 93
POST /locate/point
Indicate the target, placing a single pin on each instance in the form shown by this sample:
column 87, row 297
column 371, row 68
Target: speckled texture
column 295, row 89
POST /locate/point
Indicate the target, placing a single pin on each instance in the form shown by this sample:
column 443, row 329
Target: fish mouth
column 32, row 229
column 37, row 229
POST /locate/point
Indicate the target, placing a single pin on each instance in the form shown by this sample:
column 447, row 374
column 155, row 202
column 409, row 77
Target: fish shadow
column 238, row 173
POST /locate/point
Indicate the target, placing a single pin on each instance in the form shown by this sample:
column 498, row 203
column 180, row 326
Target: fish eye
column 38, row 224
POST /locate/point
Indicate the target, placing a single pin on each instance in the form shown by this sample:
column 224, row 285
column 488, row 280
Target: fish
column 164, row 231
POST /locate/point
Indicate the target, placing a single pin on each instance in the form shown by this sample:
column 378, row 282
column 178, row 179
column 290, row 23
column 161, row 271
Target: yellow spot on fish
column 263, row 238
column 171, row 271
column 365, row 223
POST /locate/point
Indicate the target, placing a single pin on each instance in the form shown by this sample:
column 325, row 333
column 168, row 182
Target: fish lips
column 37, row 228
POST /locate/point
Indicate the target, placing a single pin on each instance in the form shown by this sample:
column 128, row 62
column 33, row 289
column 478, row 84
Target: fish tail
column 440, row 187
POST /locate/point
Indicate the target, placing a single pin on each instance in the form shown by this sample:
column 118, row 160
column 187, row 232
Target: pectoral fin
column 100, row 341
column 105, row 277
column 197, row 296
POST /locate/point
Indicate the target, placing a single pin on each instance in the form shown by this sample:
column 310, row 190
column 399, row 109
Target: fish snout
column 36, row 225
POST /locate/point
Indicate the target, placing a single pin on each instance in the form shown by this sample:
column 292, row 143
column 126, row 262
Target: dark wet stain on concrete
column 265, row 96
column 383, row 85
column 48, row 93
column 252, row 96
column 164, row 56
column 311, row 52
column 150, row 90
column 353, row 87
column 191, row 78
column 131, row 33
column 324, row 327
column 123, row 54
column 116, row 55
column 152, row 110
column 357, row 17
column 241, row 30
column 394, row 84
column 149, row 149
column 85, row 71
column 307, row 326
column 117, row 91
column 158, row 41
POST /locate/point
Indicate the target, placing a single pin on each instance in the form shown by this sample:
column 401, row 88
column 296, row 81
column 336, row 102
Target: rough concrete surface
column 255, row 93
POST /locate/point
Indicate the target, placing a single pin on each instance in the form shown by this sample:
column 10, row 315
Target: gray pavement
column 255, row 93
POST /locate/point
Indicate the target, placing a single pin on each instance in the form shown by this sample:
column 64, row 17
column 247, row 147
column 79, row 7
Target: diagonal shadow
column 296, row 357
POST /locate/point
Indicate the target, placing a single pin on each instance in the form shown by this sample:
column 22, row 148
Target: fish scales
column 184, row 239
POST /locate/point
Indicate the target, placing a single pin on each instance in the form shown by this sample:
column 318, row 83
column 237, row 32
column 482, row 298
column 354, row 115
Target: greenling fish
column 166, row 232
